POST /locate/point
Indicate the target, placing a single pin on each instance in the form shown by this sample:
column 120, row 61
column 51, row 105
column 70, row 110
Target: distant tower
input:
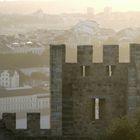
column 90, row 11
column 107, row 10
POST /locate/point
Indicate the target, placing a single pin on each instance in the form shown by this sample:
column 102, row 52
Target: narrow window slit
column 84, row 71
column 110, row 70
column 97, row 109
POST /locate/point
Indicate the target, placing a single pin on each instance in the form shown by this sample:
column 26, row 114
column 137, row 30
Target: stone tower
column 87, row 95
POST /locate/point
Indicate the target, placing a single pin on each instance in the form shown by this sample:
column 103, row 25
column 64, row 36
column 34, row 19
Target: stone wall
column 57, row 59
column 113, row 83
column 33, row 125
column 75, row 87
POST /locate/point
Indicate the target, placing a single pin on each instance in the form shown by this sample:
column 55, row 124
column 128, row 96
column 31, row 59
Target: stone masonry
column 76, row 86
column 85, row 96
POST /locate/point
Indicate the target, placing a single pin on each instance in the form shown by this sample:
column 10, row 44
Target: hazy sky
column 59, row 6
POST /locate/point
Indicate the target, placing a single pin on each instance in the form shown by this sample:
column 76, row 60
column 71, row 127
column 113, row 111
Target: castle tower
column 133, row 78
column 57, row 59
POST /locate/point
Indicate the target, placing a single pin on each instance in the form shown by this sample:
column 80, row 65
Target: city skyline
column 67, row 6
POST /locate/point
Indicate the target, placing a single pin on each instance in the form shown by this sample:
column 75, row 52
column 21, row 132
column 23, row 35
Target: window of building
column 98, row 108
column 6, row 78
column 110, row 70
column 85, row 71
column 95, row 108
column 6, row 84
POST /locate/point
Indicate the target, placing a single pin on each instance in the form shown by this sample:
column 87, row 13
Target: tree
column 136, row 122
column 121, row 129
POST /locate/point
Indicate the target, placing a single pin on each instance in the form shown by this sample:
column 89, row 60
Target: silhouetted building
column 86, row 96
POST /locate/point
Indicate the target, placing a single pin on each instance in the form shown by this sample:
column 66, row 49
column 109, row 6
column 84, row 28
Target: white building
column 26, row 101
column 27, row 47
column 36, row 50
column 28, row 71
column 9, row 79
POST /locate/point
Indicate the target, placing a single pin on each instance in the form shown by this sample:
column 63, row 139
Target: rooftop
column 23, row 92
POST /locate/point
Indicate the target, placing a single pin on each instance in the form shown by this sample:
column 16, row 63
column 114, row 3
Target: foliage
column 122, row 129
column 136, row 119
column 125, row 128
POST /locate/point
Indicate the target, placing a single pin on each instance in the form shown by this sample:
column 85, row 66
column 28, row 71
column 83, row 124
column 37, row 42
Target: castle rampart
column 93, row 93
column 86, row 96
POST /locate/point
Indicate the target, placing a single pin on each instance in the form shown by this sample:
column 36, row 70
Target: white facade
column 9, row 79
column 21, row 105
column 29, row 103
column 29, row 71
column 37, row 50
column 27, row 47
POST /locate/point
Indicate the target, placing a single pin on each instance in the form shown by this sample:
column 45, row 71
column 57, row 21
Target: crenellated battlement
column 85, row 53
column 76, row 89
column 33, row 125
column 86, row 96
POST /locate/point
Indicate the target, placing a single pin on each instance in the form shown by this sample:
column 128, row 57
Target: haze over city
column 44, row 96
column 66, row 6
